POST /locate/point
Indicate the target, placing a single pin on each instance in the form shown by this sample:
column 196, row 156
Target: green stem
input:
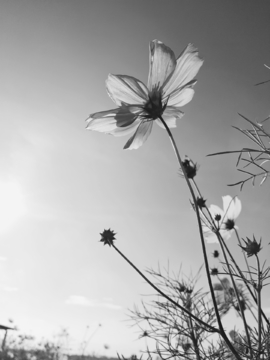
column 222, row 332
column 211, row 328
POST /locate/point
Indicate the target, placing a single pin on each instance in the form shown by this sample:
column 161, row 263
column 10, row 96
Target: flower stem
column 222, row 332
column 259, row 287
column 240, row 244
column 211, row 328
column 194, row 339
column 238, row 299
column 243, row 278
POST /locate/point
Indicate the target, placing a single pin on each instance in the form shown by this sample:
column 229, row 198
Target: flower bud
column 214, row 272
column 201, row 202
column 186, row 346
column 215, row 254
column 190, row 168
column 182, row 288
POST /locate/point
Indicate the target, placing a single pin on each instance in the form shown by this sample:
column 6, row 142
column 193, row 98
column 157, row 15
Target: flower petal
column 220, row 297
column 118, row 122
column 140, row 136
column 215, row 210
column 226, row 234
column 236, row 209
column 232, row 207
column 209, row 236
column 170, row 115
column 181, row 96
column 227, row 203
column 187, row 66
column 162, row 63
column 126, row 89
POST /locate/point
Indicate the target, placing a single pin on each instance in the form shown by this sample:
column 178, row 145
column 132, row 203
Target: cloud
column 108, row 299
column 78, row 300
column 10, row 288
column 83, row 301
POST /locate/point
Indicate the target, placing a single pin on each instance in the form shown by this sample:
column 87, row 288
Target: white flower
column 170, row 86
column 223, row 219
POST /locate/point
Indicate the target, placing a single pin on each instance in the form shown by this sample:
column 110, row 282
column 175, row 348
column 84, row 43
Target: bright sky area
column 61, row 185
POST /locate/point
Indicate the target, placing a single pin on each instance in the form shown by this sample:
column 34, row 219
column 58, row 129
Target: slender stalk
column 244, row 278
column 211, row 328
column 220, row 239
column 223, row 244
column 222, row 332
column 194, row 340
column 238, row 300
column 197, row 188
column 259, row 287
column 244, row 254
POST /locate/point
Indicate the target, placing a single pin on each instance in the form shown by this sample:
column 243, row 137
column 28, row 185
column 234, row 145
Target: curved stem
column 211, row 328
column 222, row 332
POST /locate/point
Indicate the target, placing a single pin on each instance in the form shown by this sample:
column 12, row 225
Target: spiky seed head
column 108, row 237
column 252, row 247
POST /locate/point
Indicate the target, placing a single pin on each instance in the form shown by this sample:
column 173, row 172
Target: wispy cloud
column 83, row 301
column 10, row 288
column 107, row 299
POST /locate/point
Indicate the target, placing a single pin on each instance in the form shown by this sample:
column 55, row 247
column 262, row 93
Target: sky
column 62, row 185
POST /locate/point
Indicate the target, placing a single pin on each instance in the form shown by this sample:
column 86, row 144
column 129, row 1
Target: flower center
column 229, row 224
column 153, row 106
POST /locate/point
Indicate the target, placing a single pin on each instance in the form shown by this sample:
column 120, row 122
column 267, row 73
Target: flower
column 224, row 219
column 223, row 291
column 108, row 237
column 252, row 247
column 225, row 295
column 170, row 86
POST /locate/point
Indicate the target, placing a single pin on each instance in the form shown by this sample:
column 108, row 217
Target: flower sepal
column 252, row 247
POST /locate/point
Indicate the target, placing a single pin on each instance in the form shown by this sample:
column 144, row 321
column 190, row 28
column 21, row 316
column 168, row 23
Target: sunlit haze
column 62, row 185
